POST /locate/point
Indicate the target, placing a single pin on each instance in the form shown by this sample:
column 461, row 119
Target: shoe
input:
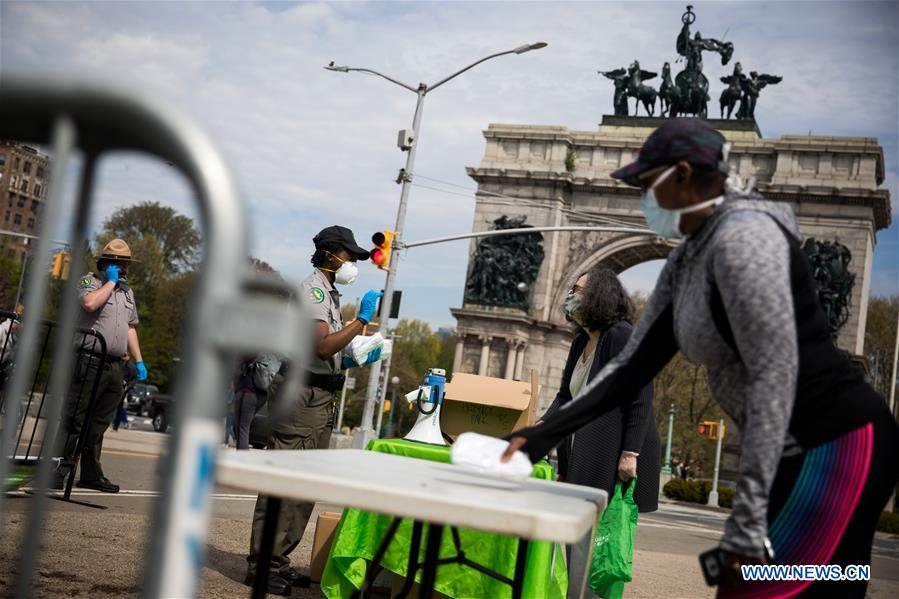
column 276, row 584
column 99, row 485
column 295, row 579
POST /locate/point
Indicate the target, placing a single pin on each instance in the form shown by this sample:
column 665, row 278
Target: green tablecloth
column 359, row 533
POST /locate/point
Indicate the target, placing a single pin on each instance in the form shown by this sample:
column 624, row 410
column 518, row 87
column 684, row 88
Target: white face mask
column 346, row 274
column 663, row 221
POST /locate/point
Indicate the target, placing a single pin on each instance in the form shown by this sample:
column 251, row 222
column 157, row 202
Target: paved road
column 94, row 552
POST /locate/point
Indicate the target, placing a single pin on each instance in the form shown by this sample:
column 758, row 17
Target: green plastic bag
column 613, row 546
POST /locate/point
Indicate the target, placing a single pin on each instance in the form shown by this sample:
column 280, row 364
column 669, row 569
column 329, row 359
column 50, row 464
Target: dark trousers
column 245, row 406
column 306, row 426
column 109, row 396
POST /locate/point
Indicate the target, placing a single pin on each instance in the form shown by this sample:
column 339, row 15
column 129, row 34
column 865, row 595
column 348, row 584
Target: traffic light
column 61, row 264
column 380, row 256
column 708, row 429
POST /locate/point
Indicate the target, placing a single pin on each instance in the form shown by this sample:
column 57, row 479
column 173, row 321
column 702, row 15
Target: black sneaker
column 99, row 485
column 276, row 584
column 296, row 579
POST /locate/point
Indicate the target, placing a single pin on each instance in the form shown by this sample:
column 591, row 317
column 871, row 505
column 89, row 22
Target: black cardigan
column 593, row 459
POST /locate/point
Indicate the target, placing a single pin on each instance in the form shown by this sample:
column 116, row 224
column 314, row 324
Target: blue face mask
column 667, row 222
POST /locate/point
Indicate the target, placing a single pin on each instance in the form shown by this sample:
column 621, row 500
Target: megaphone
column 429, row 398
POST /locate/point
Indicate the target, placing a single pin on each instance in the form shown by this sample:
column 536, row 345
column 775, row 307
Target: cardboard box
column 488, row 405
column 321, row 543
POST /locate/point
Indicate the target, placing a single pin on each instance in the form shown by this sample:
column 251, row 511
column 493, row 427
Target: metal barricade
column 225, row 317
column 32, row 444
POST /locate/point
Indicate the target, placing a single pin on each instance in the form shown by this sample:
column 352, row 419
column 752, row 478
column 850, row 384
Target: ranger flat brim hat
column 117, row 250
column 342, row 236
column 690, row 139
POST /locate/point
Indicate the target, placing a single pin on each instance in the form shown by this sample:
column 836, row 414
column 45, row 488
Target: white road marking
column 141, row 493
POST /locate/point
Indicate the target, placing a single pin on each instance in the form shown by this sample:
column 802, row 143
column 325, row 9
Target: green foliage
column 570, row 158
column 880, row 339
column 10, row 270
column 164, row 243
column 415, row 349
column 446, row 355
column 685, row 386
column 161, row 330
column 697, row 491
column 888, row 522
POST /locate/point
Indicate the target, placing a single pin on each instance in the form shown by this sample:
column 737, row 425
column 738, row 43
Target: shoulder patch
column 86, row 281
column 316, row 295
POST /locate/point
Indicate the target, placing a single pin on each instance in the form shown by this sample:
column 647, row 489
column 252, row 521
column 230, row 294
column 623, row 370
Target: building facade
column 558, row 177
column 24, row 174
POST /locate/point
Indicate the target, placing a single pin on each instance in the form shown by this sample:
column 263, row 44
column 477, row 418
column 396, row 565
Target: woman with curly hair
column 621, row 443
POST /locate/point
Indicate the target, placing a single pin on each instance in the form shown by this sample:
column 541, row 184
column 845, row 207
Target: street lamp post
column 666, row 467
column 366, row 432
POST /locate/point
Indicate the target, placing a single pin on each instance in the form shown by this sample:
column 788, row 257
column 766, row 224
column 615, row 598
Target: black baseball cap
column 342, row 236
column 690, row 139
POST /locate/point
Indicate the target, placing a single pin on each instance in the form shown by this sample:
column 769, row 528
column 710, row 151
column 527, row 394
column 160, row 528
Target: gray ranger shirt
column 322, row 302
column 112, row 320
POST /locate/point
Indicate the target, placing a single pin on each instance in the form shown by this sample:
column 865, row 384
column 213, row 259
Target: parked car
column 260, row 428
column 138, row 396
column 160, row 409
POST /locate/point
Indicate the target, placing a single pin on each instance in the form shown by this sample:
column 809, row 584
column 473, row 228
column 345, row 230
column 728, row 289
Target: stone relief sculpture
column 830, row 267
column 505, row 267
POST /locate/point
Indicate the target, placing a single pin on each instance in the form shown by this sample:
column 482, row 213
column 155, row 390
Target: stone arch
column 618, row 254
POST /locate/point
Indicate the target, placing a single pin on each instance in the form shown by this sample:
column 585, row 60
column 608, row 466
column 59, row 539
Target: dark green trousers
column 307, row 426
column 109, row 396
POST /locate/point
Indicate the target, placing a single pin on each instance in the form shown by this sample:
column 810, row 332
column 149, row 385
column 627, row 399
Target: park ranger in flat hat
column 309, row 422
column 107, row 308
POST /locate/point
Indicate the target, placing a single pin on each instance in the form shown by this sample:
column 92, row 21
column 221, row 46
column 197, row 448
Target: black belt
column 328, row 382
column 102, row 357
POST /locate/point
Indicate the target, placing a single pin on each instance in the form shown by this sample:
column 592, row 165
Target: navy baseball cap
column 689, row 139
column 343, row 237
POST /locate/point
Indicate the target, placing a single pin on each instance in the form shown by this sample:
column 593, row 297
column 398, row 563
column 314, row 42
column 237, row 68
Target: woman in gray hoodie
column 819, row 446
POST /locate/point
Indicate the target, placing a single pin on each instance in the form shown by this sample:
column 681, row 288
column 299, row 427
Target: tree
column 880, row 340
column 685, row 386
column 415, row 349
column 162, row 331
column 164, row 242
column 10, row 271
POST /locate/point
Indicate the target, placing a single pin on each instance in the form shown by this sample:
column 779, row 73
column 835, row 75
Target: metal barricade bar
column 41, row 377
column 97, row 119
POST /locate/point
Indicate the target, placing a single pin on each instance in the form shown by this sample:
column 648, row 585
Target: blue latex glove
column 112, row 273
column 368, row 304
column 141, row 371
column 373, row 356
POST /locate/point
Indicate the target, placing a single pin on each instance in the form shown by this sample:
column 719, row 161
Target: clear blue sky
column 311, row 148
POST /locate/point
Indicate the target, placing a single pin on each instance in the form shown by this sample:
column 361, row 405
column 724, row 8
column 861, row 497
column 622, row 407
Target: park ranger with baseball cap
column 309, row 421
column 107, row 308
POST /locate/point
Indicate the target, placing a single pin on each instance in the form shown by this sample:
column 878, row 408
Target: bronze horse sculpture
column 642, row 93
column 734, row 90
column 669, row 94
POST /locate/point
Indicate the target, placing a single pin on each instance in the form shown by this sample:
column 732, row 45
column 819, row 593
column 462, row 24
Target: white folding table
column 424, row 491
